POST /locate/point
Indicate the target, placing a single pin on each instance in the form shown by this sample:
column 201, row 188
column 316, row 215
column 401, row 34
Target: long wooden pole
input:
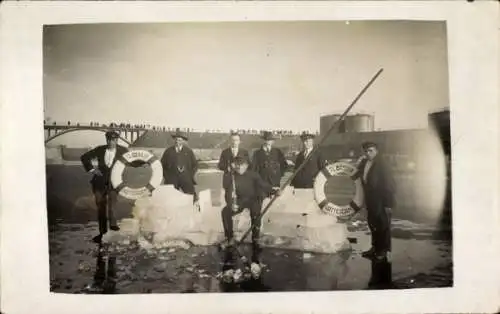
column 322, row 139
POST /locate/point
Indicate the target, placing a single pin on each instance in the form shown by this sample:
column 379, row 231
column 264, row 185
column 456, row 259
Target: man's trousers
column 105, row 200
column 255, row 209
column 379, row 221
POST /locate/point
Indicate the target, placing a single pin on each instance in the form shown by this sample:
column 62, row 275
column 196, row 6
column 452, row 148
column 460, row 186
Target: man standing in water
column 180, row 165
column 105, row 195
column 379, row 188
column 244, row 189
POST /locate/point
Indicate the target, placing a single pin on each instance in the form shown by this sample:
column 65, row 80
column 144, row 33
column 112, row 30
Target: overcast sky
column 244, row 75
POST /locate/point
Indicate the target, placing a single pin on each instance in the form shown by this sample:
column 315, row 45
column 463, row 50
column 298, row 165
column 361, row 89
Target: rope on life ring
column 328, row 207
column 126, row 160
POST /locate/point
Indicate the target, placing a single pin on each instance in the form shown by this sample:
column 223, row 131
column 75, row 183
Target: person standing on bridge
column 180, row 165
column 228, row 155
column 105, row 195
column 379, row 189
column 269, row 162
column 304, row 179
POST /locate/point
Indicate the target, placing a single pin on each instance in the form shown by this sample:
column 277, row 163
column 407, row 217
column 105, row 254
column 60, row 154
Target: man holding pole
column 244, row 189
column 105, row 195
column 333, row 127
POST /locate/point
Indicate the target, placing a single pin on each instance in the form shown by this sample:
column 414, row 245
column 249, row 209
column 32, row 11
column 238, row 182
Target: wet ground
column 421, row 257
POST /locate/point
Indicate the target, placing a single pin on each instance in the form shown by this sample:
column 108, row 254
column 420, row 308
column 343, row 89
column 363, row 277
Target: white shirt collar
column 109, row 156
column 368, row 165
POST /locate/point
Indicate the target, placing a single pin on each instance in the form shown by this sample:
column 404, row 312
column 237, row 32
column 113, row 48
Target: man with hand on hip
column 105, row 195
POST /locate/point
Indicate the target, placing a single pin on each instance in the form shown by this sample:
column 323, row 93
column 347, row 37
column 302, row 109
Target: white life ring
column 328, row 207
column 126, row 160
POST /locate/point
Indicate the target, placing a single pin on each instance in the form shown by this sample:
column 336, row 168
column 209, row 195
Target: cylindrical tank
column 360, row 123
column 440, row 121
column 326, row 122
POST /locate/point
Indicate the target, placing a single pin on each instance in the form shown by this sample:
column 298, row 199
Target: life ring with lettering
column 326, row 205
column 126, row 160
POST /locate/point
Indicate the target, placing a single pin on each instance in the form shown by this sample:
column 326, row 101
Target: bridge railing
column 148, row 127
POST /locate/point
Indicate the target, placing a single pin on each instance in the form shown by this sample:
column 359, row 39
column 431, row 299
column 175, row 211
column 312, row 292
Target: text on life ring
column 126, row 160
column 327, row 206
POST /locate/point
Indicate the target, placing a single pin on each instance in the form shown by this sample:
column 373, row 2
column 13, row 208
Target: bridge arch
column 56, row 135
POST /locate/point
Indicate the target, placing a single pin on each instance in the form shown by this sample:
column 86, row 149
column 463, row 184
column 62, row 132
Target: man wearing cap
column 180, row 165
column 105, row 195
column 304, row 179
column 244, row 189
column 269, row 162
column 379, row 189
column 229, row 154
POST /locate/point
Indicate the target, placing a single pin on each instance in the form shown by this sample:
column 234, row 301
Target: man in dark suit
column 180, row 165
column 379, row 189
column 244, row 189
column 305, row 177
column 269, row 162
column 229, row 154
column 105, row 195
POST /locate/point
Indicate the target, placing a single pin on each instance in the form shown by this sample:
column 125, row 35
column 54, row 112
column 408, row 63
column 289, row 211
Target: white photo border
column 472, row 35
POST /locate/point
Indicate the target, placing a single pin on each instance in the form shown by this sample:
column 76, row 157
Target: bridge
column 128, row 135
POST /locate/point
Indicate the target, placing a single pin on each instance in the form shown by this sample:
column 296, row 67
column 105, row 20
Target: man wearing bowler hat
column 180, row 165
column 304, row 179
column 269, row 162
column 105, row 195
column 379, row 189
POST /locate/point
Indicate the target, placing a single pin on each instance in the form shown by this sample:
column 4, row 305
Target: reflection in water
column 381, row 276
column 322, row 272
column 295, row 271
column 105, row 275
column 233, row 260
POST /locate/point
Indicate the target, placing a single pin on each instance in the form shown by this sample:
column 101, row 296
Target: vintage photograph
column 203, row 157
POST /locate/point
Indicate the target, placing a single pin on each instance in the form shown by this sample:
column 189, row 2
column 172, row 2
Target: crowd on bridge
column 144, row 126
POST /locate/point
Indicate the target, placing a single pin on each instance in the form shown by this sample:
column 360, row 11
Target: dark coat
column 379, row 187
column 305, row 178
column 101, row 182
column 226, row 158
column 270, row 166
column 249, row 188
column 179, row 168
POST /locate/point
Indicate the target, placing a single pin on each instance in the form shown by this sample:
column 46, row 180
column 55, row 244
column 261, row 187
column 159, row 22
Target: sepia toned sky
column 244, row 74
